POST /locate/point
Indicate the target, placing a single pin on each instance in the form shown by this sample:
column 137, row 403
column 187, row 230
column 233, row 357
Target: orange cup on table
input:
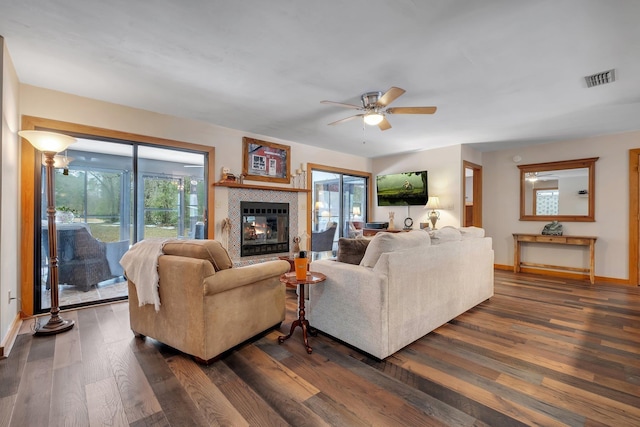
column 300, row 264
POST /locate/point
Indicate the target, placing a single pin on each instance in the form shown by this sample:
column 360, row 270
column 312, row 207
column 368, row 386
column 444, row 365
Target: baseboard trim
column 565, row 275
column 10, row 338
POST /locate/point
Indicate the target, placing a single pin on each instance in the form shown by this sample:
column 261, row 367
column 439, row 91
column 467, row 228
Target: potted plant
column 65, row 214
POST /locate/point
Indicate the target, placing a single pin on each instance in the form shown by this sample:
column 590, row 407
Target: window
column 339, row 201
column 546, row 201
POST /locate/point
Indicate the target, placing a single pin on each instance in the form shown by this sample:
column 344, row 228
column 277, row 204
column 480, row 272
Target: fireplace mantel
column 260, row 187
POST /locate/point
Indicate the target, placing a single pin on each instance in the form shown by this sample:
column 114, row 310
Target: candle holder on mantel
column 303, row 179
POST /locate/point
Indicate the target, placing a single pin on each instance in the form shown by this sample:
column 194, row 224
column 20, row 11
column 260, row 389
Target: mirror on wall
column 558, row 191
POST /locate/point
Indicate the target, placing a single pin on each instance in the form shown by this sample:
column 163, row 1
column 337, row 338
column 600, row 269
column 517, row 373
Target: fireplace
column 265, row 228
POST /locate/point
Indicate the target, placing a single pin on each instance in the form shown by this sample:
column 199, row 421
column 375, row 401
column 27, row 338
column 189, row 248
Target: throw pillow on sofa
column 471, row 232
column 389, row 242
column 445, row 234
column 351, row 251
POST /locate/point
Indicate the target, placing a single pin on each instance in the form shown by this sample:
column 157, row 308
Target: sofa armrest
column 351, row 305
column 231, row 278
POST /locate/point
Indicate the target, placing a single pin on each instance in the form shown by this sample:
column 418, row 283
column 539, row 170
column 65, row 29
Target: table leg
column 300, row 321
column 592, row 262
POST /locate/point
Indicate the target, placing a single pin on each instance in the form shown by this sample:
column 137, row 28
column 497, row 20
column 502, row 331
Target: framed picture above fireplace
column 265, row 161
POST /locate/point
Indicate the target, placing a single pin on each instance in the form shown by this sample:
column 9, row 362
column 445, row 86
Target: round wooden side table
column 291, row 281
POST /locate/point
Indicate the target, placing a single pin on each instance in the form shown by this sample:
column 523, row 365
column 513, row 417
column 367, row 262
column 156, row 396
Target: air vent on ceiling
column 601, row 78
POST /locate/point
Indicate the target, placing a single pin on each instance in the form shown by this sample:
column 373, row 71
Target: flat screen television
column 402, row 189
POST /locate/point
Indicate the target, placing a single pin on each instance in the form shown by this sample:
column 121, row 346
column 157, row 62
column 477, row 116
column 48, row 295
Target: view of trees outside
column 111, row 189
column 169, row 199
column 161, row 197
column 99, row 205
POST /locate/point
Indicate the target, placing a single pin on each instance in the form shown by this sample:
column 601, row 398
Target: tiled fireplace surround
column 237, row 195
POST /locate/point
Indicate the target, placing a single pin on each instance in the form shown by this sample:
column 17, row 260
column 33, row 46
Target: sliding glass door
column 109, row 195
column 340, row 203
column 171, row 194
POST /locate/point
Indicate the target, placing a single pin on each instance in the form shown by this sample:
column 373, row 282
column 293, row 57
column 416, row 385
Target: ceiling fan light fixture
column 373, row 118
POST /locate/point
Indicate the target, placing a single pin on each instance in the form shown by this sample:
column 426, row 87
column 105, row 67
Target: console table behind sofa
column 589, row 241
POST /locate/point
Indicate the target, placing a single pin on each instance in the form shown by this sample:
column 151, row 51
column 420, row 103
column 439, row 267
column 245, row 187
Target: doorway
column 472, row 194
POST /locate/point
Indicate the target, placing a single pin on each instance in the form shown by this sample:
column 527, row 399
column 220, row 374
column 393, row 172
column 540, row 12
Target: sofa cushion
column 211, row 250
column 388, row 242
column 471, row 232
column 445, row 234
column 351, row 251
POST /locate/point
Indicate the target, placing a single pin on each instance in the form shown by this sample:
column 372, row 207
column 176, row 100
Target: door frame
column 476, row 191
column 634, row 216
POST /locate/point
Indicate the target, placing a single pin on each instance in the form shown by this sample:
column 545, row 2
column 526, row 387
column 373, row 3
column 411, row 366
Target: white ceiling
column 501, row 72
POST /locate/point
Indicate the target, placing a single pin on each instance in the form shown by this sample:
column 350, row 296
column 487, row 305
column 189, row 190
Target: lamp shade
column 373, row 118
column 48, row 142
column 433, row 203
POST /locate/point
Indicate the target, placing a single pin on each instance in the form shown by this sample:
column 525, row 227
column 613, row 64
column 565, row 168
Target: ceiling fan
column 374, row 108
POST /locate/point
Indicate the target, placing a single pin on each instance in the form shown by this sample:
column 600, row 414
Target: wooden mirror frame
column 589, row 163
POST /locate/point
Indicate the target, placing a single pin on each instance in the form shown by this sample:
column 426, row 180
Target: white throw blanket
column 140, row 264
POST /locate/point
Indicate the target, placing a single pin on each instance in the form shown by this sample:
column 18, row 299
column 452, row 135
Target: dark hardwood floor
column 542, row 351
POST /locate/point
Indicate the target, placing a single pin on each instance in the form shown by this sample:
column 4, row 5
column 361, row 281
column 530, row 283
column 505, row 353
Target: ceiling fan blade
column 384, row 124
column 340, row 104
column 346, row 119
column 390, row 96
column 411, row 110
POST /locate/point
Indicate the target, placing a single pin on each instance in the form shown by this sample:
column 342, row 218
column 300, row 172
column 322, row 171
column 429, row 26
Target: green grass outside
column 111, row 232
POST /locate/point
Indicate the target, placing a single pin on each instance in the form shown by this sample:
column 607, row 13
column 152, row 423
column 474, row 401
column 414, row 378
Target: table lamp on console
column 433, row 203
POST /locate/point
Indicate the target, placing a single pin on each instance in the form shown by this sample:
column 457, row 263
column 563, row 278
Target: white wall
column 9, row 194
column 444, row 166
column 501, row 203
column 50, row 104
column 569, row 201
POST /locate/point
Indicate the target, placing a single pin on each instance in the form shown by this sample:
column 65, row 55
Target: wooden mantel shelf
column 260, row 187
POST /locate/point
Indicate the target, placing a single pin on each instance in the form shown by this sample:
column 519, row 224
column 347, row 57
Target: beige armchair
column 208, row 306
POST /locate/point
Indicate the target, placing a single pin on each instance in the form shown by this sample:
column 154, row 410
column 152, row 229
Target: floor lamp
column 50, row 144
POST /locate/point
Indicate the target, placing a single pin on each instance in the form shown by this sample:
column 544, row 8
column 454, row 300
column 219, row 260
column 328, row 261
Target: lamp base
column 433, row 217
column 53, row 327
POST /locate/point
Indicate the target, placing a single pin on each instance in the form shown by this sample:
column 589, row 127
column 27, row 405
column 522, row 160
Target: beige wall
column 501, row 203
column 444, row 166
column 9, row 194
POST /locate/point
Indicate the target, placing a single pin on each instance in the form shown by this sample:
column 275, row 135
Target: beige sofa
column 406, row 285
column 208, row 307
